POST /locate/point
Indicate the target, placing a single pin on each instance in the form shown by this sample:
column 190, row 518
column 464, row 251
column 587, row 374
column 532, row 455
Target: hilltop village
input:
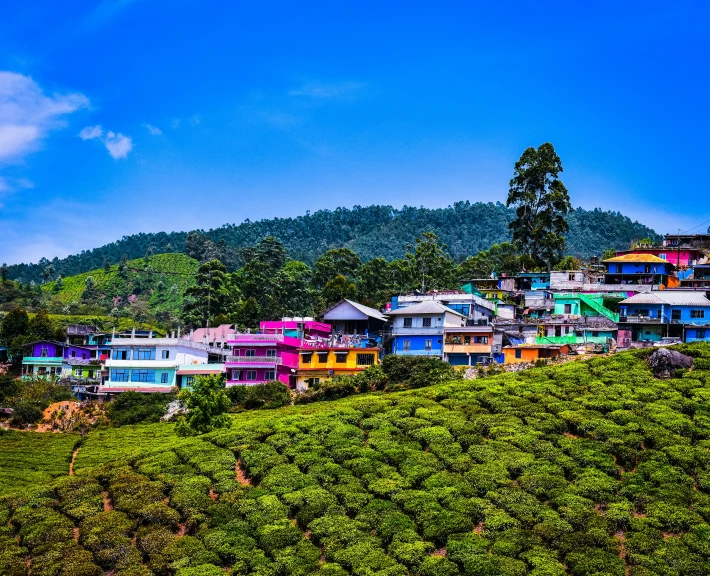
column 641, row 297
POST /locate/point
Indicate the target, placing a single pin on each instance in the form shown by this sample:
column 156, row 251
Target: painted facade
column 273, row 352
column 468, row 346
column 640, row 269
column 151, row 364
column 419, row 330
column 531, row 353
column 316, row 365
column 48, row 359
column 684, row 256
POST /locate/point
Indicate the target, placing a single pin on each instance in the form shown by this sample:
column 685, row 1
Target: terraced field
column 586, row 468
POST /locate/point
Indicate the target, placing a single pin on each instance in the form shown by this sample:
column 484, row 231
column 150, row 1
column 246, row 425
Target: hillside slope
column 592, row 467
column 160, row 282
column 371, row 231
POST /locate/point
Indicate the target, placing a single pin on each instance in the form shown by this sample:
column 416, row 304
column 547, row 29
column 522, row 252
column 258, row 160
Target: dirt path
column 73, row 457
column 241, row 476
column 108, row 505
column 76, row 534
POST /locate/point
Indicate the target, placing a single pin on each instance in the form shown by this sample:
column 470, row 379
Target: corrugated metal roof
column 638, row 258
column 670, row 298
column 371, row 312
column 426, row 307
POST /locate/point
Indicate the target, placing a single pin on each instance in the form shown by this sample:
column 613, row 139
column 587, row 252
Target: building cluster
column 642, row 297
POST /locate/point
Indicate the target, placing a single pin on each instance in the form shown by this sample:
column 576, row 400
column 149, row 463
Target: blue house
column 418, row 330
column 679, row 313
column 640, row 269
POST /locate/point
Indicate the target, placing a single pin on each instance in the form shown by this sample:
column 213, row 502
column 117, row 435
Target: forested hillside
column 588, row 468
column 371, row 231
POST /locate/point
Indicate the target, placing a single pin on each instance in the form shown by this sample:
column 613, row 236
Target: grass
column 29, row 460
column 591, row 467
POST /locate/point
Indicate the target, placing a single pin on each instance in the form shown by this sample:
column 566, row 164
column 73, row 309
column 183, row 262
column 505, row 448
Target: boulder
column 664, row 362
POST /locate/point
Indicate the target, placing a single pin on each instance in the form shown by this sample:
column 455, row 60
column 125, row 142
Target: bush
column 134, row 407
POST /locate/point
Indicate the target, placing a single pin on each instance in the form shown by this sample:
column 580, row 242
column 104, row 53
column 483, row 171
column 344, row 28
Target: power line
column 694, row 227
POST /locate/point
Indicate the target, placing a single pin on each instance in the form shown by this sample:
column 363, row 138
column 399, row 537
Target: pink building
column 272, row 352
column 686, row 256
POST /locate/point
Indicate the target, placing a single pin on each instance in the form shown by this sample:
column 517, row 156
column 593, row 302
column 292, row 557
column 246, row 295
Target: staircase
column 597, row 307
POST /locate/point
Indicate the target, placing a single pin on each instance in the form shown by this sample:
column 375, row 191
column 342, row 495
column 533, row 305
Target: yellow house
column 318, row 364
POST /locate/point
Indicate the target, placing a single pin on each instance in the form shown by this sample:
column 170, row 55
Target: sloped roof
column 633, row 258
column 670, row 298
column 366, row 310
column 426, row 307
column 213, row 334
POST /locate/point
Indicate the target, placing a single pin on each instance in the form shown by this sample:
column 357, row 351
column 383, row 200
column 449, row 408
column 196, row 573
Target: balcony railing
column 254, row 360
column 411, row 330
column 255, row 337
column 47, row 360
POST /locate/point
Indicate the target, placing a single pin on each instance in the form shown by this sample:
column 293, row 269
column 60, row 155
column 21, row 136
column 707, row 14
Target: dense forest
column 372, row 231
column 589, row 468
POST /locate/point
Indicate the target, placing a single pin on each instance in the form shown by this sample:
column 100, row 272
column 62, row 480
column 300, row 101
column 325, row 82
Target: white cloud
column 175, row 123
column 27, row 115
column 118, row 145
column 91, row 132
column 154, row 130
column 327, row 90
column 195, row 120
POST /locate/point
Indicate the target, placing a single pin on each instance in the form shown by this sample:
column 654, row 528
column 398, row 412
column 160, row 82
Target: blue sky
column 140, row 115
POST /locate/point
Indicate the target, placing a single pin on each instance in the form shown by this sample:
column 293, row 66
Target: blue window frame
column 144, row 353
column 142, row 375
column 119, row 375
column 164, row 378
column 121, row 354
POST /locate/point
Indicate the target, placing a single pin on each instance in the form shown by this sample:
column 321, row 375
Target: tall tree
column 3, row 272
column 336, row 262
column 541, row 204
column 435, row 268
column 209, row 296
column 41, row 326
column 15, row 323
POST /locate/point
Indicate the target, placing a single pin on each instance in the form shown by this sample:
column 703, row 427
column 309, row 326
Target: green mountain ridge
column 370, row 231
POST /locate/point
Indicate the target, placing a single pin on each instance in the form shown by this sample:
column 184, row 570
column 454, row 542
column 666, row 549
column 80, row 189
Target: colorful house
column 419, row 330
column 272, row 353
column 468, row 345
column 578, row 304
column 678, row 256
column 474, row 307
column 700, row 277
column 640, row 269
column 321, row 363
column 492, row 288
column 50, row 359
column 533, row 352
column 663, row 313
column 350, row 317
column 534, row 281
column 152, row 364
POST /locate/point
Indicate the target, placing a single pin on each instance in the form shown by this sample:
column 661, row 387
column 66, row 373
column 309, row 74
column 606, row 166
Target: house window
column 700, row 333
column 77, row 372
column 270, row 375
column 406, row 345
column 568, row 308
column 249, row 353
column 306, row 357
column 164, row 378
column 365, row 359
column 189, row 381
column 271, row 353
column 119, row 375
column 697, row 313
column 341, row 357
column 570, row 277
column 73, row 353
column 322, row 357
column 662, row 256
column 165, row 354
column 642, row 312
column 142, row 375
column 144, row 353
column 427, row 345
column 518, row 353
column 595, row 334
column 647, row 269
column 44, row 352
column 236, row 375
column 407, row 322
column 120, row 353
column 426, row 322
column 466, row 340
column 481, row 340
column 251, row 375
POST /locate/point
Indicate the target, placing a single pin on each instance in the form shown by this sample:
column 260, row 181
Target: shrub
column 134, row 407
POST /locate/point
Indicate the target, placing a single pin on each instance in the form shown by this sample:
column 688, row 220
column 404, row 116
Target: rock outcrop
column 665, row 362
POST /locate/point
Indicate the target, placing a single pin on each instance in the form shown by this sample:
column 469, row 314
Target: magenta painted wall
column 686, row 257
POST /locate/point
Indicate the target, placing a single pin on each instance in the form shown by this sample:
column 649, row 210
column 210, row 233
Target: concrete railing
column 254, row 360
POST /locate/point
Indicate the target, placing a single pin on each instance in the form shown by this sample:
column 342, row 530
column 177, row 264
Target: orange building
column 533, row 352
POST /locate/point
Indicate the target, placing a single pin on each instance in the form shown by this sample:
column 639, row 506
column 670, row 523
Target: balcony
column 435, row 353
column 43, row 360
column 414, row 330
column 255, row 337
column 253, row 360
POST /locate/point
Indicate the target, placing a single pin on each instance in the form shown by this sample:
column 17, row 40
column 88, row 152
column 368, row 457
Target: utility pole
column 677, row 261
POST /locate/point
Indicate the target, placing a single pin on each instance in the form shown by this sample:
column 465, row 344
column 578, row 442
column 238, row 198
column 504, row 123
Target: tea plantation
column 592, row 467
